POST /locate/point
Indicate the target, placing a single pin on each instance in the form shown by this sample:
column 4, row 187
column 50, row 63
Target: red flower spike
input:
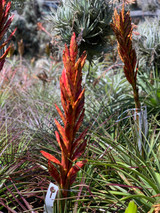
column 72, row 100
column 4, row 25
column 123, row 29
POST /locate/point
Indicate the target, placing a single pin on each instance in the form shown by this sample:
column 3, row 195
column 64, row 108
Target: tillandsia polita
column 72, row 99
column 123, row 29
column 4, row 25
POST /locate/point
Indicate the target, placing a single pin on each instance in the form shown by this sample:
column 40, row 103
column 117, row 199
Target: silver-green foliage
column 149, row 44
column 89, row 19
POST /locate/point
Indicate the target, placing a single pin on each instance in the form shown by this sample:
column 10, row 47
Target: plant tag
column 50, row 197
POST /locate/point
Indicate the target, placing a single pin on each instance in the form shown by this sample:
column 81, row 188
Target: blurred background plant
column 148, row 45
column 90, row 20
column 18, row 5
column 150, row 88
column 26, row 24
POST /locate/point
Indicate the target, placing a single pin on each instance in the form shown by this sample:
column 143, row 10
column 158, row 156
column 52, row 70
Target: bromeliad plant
column 90, row 20
column 72, row 99
column 4, row 25
column 123, row 29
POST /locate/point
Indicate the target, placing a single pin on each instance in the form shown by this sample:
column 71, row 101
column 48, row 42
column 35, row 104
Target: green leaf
column 153, row 101
column 132, row 208
column 158, row 93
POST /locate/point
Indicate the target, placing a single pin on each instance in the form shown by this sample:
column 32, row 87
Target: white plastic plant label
column 50, row 197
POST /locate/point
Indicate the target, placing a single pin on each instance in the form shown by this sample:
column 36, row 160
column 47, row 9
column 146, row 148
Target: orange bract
column 123, row 29
column 72, row 99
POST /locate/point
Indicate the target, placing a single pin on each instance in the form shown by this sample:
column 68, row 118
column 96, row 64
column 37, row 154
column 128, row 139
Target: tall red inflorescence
column 72, row 99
